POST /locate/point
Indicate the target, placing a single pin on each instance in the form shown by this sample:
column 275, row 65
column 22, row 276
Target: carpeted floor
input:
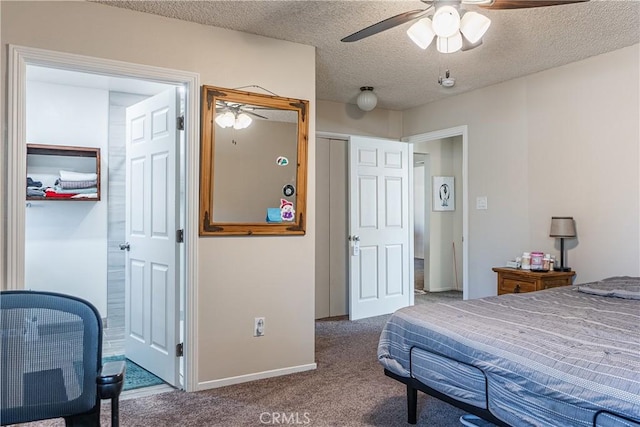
column 348, row 389
column 433, row 297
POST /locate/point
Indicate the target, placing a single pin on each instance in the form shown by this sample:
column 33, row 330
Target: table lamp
column 562, row 227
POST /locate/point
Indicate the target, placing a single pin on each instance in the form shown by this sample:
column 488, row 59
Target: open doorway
column 20, row 58
column 439, row 231
column 421, row 223
column 82, row 239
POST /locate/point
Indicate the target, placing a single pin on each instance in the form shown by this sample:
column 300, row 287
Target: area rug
column 135, row 376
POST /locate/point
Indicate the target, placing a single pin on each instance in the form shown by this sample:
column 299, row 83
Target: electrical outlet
column 258, row 327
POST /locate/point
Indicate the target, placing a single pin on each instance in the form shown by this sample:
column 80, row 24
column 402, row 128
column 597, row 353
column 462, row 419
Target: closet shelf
column 62, row 157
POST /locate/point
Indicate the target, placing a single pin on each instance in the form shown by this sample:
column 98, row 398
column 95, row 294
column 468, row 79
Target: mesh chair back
column 50, row 355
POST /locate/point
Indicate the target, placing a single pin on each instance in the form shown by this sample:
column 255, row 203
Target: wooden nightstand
column 511, row 280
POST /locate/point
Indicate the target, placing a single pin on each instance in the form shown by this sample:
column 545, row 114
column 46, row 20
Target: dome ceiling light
column 367, row 100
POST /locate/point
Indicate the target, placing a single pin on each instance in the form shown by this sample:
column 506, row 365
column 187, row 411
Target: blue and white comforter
column 551, row 358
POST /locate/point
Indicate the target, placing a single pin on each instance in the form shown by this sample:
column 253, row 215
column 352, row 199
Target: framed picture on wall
column 444, row 195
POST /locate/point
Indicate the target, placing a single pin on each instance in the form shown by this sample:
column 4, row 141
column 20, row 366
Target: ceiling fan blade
column 255, row 114
column 387, row 24
column 253, row 108
column 524, row 4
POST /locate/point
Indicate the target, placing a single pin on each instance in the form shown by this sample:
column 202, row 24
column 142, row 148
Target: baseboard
column 206, row 385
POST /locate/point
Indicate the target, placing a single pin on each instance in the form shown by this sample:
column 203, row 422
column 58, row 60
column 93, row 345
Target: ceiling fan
column 236, row 115
column 453, row 28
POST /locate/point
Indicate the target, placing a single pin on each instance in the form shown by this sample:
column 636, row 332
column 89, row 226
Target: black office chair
column 51, row 360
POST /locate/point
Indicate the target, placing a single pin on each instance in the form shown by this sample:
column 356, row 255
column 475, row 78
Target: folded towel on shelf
column 34, row 192
column 60, row 190
column 85, row 196
column 51, row 194
column 70, row 185
column 77, row 176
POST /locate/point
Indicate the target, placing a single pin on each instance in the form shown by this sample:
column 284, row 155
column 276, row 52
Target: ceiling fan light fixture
column 421, row 33
column 225, row 120
column 367, row 100
column 473, row 26
column 449, row 44
column 446, row 21
column 242, row 121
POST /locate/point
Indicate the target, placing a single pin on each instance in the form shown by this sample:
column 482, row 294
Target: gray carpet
column 433, row 297
column 348, row 389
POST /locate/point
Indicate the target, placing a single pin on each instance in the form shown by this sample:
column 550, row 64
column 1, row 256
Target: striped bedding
column 549, row 358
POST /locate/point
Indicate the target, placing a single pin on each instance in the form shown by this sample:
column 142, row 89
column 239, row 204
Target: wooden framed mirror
column 253, row 170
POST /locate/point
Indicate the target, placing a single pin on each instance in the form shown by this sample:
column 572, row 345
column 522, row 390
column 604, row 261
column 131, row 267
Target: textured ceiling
column 519, row 42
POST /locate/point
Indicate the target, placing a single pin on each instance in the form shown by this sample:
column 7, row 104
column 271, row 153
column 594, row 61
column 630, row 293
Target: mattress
column 550, row 358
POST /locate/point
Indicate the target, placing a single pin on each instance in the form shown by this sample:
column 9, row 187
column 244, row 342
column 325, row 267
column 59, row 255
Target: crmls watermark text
column 292, row 418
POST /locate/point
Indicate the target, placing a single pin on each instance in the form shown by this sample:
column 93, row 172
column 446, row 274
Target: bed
column 567, row 356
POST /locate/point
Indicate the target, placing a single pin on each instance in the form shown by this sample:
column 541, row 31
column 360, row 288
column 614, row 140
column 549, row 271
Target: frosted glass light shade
column 449, row 44
column 242, row 121
column 367, row 100
column 225, row 120
column 421, row 33
column 446, row 21
column 474, row 26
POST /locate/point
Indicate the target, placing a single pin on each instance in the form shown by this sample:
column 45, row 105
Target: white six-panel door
column 379, row 227
column 152, row 213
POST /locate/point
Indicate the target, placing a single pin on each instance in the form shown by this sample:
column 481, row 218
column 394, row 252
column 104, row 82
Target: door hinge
column 179, row 350
column 180, row 123
column 180, row 236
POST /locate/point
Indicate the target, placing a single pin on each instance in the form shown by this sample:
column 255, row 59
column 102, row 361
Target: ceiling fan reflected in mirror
column 452, row 27
column 232, row 114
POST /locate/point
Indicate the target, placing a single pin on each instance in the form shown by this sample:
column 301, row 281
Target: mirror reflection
column 253, row 163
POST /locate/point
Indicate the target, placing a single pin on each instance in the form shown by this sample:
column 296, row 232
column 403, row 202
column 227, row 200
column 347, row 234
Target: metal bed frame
column 413, row 385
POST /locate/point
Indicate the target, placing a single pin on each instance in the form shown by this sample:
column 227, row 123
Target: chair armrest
column 111, row 379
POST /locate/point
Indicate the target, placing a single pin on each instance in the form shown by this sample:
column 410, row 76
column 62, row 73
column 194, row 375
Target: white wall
column 551, row 144
column 348, row 119
column 65, row 241
column 239, row 277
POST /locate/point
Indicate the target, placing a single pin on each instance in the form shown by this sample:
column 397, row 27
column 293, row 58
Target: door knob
column 354, row 238
column 125, row 246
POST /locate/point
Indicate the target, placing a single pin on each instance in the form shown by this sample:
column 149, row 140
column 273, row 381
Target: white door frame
column 19, row 58
column 447, row 133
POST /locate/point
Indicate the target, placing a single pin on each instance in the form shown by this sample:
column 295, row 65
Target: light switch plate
column 481, row 203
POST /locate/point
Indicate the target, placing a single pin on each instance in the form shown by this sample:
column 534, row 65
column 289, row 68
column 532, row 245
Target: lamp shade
column 562, row 226
column 367, row 100
column 421, row 33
